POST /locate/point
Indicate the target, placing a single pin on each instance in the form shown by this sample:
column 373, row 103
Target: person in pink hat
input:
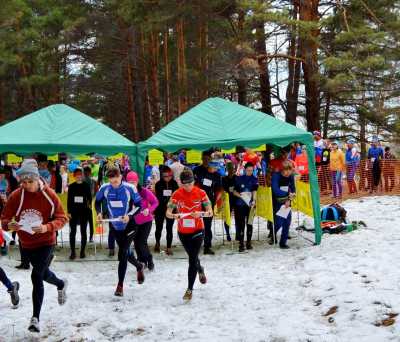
column 144, row 220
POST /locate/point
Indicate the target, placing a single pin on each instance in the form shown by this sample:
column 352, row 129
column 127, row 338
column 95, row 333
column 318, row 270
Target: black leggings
column 40, row 258
column 376, row 174
column 124, row 240
column 91, row 224
column 192, row 244
column 141, row 246
column 82, row 220
column 159, row 218
column 241, row 216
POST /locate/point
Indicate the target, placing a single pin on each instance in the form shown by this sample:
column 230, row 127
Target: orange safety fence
column 360, row 179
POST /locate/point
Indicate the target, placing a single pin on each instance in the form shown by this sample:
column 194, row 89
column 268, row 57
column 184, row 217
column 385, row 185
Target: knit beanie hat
column 28, row 169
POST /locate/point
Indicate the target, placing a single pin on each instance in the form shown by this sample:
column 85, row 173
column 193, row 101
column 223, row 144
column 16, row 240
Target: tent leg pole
column 223, row 233
column 95, row 247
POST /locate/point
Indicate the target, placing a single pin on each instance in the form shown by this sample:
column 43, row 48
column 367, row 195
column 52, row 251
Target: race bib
column 373, row 160
column 207, row 182
column 284, row 188
column 301, row 168
column 116, row 204
column 78, row 199
column 231, row 188
column 167, row 193
column 188, row 223
column 324, row 159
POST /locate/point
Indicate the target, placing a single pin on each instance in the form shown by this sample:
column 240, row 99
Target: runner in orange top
column 191, row 204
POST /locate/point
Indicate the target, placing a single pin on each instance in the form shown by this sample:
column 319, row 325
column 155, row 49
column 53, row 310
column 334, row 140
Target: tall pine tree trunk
column 129, row 84
column 308, row 11
column 363, row 127
column 265, row 86
column 167, row 95
column 204, row 62
column 242, row 77
column 155, row 91
column 294, row 69
column 2, row 102
column 146, row 117
column 181, row 68
column 326, row 115
column 202, row 88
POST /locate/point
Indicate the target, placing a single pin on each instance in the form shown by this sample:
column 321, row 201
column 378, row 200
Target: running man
column 191, row 204
column 79, row 203
column 122, row 201
column 38, row 215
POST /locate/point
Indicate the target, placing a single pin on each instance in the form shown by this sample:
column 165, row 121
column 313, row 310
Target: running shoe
column 202, row 275
column 62, row 293
column 34, row 325
column 14, row 293
column 119, row 292
column 140, row 275
column 188, row 295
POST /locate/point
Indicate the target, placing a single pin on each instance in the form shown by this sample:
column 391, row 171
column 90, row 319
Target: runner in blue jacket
column 283, row 190
column 122, row 200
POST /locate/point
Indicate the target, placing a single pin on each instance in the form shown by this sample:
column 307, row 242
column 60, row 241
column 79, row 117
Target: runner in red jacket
column 191, row 204
column 35, row 212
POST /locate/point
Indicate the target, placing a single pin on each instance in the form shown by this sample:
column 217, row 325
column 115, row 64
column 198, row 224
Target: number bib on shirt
column 207, row 182
column 116, row 204
column 78, row 199
column 188, row 223
column 167, row 193
column 284, row 188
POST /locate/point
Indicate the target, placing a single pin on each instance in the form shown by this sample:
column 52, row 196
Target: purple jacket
column 148, row 201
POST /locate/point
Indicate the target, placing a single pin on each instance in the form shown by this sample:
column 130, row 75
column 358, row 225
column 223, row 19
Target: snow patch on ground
column 265, row 295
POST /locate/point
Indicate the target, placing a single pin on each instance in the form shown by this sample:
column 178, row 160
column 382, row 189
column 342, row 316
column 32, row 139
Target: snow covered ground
column 265, row 295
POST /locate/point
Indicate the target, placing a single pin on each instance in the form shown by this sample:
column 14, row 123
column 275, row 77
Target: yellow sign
column 64, row 199
column 230, row 151
column 223, row 211
column 53, row 158
column 227, row 209
column 260, row 148
column 302, row 201
column 13, row 159
column 193, row 157
column 71, row 178
column 82, row 157
column 264, row 207
column 156, row 157
column 116, row 156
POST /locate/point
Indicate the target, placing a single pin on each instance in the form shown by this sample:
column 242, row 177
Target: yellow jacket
column 337, row 161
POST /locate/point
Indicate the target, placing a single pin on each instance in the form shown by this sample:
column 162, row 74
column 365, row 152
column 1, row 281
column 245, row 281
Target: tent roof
column 216, row 122
column 60, row 128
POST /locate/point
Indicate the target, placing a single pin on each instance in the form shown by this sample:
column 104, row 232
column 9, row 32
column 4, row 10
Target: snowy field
column 265, row 295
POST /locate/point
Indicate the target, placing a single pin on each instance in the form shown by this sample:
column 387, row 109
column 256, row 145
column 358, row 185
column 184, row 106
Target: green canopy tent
column 216, row 122
column 60, row 128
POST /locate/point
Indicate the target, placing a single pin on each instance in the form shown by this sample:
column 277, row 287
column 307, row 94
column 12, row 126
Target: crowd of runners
column 32, row 213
